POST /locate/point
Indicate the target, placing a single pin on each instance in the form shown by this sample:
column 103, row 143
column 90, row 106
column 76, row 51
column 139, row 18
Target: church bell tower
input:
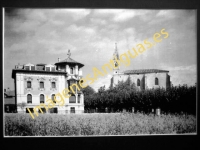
column 116, row 61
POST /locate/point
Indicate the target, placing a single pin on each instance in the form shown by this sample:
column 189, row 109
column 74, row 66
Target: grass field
column 97, row 124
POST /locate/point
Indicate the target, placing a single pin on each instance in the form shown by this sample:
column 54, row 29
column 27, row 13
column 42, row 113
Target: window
column 47, row 68
column 72, row 99
column 156, row 81
column 79, row 98
column 41, row 98
column 71, row 82
column 32, row 67
column 52, row 97
column 7, row 108
column 41, row 84
column 71, row 70
column 53, row 110
column 41, row 68
column 116, row 65
column 43, row 110
column 53, row 84
column 31, row 110
column 72, row 109
column 28, row 84
column 138, row 82
column 29, row 98
column 53, row 69
column 26, row 67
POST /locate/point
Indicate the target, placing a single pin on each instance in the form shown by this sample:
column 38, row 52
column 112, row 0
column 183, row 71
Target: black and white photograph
column 74, row 72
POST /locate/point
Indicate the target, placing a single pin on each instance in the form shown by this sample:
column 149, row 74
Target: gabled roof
column 50, row 65
column 10, row 93
column 142, row 71
column 69, row 61
column 29, row 64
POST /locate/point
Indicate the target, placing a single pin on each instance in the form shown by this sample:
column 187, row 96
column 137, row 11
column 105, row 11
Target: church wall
column 146, row 80
column 119, row 77
column 161, row 80
column 168, row 81
column 135, row 77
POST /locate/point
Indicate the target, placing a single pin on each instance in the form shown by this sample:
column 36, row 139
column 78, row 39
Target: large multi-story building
column 34, row 84
column 143, row 78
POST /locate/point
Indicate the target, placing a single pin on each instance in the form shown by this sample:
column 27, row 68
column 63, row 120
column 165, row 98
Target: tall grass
column 98, row 124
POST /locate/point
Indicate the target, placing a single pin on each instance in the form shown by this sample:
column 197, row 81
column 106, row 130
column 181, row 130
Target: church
column 143, row 78
column 35, row 83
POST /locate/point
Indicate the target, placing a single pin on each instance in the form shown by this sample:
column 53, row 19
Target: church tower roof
column 69, row 61
column 116, row 52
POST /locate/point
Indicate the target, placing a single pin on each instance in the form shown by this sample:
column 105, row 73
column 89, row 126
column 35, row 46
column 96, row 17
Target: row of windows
column 51, row 110
column 29, row 98
column 42, row 99
column 71, row 70
column 156, row 82
column 41, row 68
column 53, row 84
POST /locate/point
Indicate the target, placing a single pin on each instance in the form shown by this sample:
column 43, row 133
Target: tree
column 88, row 91
column 22, row 105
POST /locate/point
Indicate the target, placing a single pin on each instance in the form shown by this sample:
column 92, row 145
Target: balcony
column 41, row 89
column 28, row 89
column 53, row 89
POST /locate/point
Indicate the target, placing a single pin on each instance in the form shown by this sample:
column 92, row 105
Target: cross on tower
column 69, row 54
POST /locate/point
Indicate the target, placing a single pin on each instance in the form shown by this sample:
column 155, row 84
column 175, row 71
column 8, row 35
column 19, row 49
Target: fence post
column 158, row 111
column 106, row 110
column 133, row 110
column 152, row 110
column 124, row 110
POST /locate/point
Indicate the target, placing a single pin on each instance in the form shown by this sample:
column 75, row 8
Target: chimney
column 58, row 59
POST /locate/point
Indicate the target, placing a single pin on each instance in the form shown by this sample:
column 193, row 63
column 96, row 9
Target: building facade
column 9, row 101
column 35, row 84
column 143, row 78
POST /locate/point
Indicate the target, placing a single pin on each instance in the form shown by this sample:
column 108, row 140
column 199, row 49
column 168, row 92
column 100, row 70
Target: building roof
column 10, row 93
column 14, row 71
column 50, row 65
column 29, row 64
column 69, row 61
column 143, row 71
column 41, row 64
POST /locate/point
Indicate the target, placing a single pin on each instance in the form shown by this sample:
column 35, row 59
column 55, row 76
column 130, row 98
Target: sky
column 44, row 35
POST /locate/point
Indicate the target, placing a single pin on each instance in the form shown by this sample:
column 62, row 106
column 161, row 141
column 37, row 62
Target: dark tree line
column 125, row 95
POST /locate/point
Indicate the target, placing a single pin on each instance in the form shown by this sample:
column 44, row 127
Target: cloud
column 98, row 21
column 43, row 35
column 124, row 16
column 162, row 16
column 76, row 14
column 169, row 14
column 183, row 74
column 101, row 82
